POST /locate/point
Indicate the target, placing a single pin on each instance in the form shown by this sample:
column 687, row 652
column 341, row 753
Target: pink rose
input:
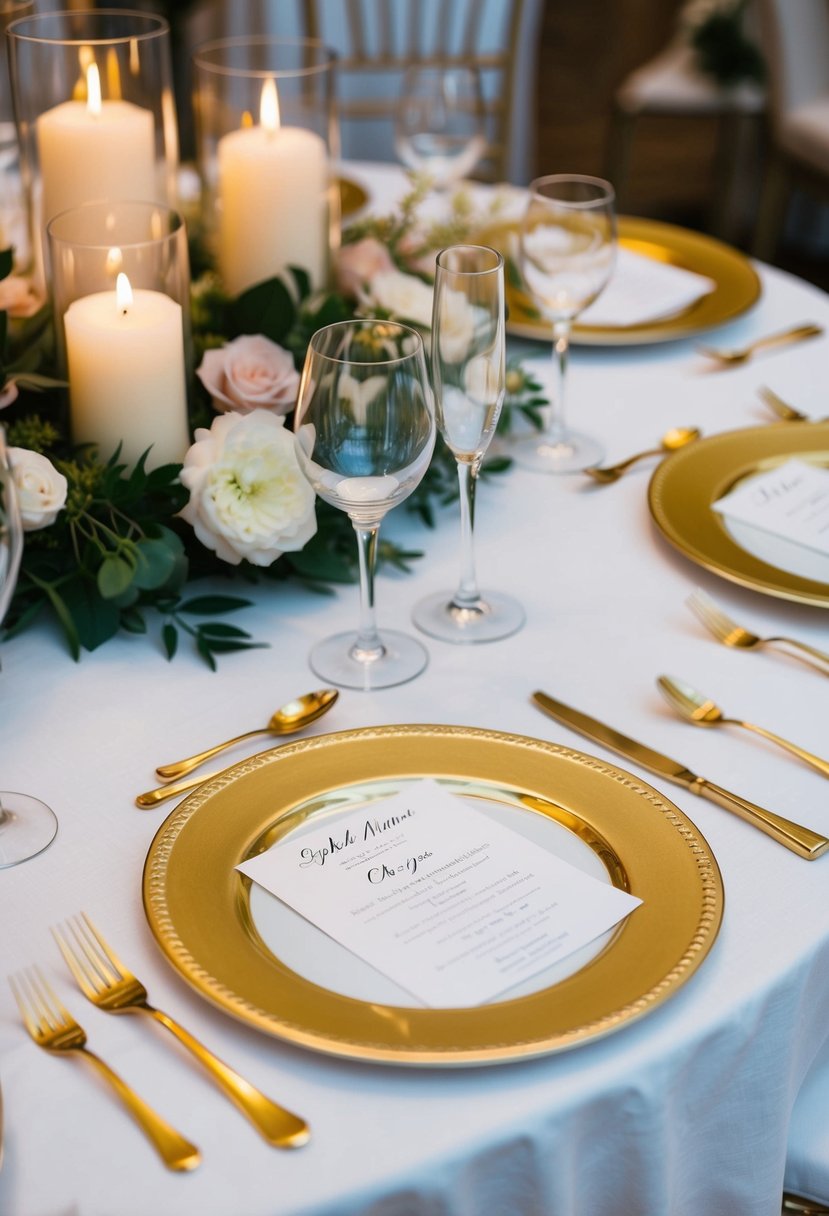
column 18, row 297
column 8, row 394
column 250, row 373
column 357, row 265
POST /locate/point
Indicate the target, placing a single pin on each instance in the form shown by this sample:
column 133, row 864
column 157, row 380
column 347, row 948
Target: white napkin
column 643, row 290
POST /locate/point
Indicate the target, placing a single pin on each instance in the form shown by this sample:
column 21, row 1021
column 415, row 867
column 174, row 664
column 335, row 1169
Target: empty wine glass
column 469, row 383
column 27, row 825
column 439, row 128
column 568, row 246
column 366, row 431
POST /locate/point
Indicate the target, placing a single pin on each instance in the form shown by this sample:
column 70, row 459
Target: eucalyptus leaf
column 155, row 561
column 114, row 576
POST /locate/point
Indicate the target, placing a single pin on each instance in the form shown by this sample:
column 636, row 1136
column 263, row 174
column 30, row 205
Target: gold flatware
column 53, row 1028
column 700, row 710
column 728, row 632
column 162, row 793
column 780, row 407
column 793, row 836
column 288, row 720
column 671, row 441
column 732, row 358
column 108, row 984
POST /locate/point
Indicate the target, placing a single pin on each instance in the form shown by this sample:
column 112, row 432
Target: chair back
column 795, row 39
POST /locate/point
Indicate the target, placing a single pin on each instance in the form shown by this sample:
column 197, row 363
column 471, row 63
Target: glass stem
column 368, row 647
column 467, row 594
column 556, row 432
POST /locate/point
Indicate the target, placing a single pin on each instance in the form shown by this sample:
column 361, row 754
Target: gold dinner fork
column 728, row 632
column 106, row 982
column 53, row 1028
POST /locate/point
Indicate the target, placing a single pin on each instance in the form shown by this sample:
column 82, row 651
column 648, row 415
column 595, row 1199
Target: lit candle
column 92, row 149
column 273, row 210
column 125, row 358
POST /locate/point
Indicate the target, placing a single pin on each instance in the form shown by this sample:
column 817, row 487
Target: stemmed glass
column 439, row 129
column 366, row 431
column 469, row 380
column 27, row 825
column 568, row 248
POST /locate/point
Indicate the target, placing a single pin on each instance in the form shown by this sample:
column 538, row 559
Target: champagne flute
column 439, row 128
column 366, row 431
column 27, row 825
column 568, row 246
column 469, row 382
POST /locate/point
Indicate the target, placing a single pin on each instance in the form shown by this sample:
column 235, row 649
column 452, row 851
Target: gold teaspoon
column 671, row 441
column 731, row 358
column 289, row 719
column 700, row 711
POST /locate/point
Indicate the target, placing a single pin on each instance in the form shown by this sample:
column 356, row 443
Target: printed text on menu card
column 791, row 501
column 453, row 906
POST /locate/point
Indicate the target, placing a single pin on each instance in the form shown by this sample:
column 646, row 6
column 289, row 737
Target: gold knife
column 794, row 836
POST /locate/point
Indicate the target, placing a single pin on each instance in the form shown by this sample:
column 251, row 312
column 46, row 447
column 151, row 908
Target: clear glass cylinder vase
column 95, row 111
column 266, row 136
column 14, row 227
column 121, row 288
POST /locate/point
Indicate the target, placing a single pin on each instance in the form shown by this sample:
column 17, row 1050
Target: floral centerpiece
column 111, row 547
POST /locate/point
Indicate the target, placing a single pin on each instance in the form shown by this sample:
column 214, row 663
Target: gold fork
column 106, row 982
column 728, row 632
column 53, row 1028
column 780, row 407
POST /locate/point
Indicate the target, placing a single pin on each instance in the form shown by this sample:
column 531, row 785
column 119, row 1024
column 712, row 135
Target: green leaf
column 66, row 622
column 6, row 262
column 206, row 605
column 95, row 620
column 203, row 647
column 155, row 562
column 169, row 635
column 114, row 576
column 218, row 647
column 302, row 280
column 265, row 309
column 133, row 622
column 215, row 629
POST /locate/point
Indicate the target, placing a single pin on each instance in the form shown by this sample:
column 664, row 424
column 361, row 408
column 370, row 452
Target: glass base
column 496, row 616
column 401, row 659
column 27, row 827
column 570, row 453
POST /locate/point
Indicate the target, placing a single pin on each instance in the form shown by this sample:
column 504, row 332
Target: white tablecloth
column 683, row 1112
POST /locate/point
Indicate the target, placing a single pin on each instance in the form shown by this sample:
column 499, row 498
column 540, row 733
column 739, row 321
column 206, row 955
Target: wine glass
column 439, row 129
column 568, row 248
column 366, row 431
column 469, row 383
column 27, row 825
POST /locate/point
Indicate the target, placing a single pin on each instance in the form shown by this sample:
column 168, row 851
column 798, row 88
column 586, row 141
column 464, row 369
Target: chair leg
column 771, row 213
column 617, row 157
column 796, row 1205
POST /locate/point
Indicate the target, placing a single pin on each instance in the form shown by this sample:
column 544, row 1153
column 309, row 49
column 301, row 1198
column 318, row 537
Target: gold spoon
column 292, row 717
column 731, row 358
column 671, row 441
column 697, row 709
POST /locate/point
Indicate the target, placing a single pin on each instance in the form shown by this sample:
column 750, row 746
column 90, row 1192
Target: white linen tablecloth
column 682, row 1113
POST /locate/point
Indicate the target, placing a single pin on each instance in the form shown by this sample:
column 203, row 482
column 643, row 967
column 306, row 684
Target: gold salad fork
column 53, row 1028
column 106, row 982
column 732, row 358
column 728, row 632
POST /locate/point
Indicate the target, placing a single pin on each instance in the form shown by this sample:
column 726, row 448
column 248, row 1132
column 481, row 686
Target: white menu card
column 451, row 905
column 791, row 501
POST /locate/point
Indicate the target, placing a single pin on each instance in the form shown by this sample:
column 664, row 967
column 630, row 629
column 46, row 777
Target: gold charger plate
column 685, row 484
column 199, row 907
column 737, row 284
column 352, row 196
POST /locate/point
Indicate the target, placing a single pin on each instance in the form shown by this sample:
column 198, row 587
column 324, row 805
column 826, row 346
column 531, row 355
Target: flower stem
column 368, row 647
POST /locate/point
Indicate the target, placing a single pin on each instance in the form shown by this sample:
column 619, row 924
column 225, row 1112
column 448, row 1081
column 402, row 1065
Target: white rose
column 41, row 489
column 248, row 496
column 457, row 326
column 250, row 373
column 404, row 296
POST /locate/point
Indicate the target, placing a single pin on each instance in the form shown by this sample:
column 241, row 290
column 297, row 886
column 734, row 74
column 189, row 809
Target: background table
column 685, row 1111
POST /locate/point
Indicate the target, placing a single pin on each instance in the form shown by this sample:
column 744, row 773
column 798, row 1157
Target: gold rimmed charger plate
column 737, row 284
column 353, row 196
column 687, row 483
column 199, row 908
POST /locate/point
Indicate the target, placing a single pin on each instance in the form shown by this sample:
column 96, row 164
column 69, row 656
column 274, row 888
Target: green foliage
column 723, row 49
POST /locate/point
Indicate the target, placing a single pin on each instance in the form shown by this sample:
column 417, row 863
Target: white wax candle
column 95, row 150
column 126, row 375
column 273, row 206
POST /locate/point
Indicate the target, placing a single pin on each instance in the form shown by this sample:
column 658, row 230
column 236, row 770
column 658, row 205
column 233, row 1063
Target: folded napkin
column 643, row 290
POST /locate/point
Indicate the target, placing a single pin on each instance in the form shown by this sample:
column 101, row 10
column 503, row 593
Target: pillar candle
column 95, row 150
column 125, row 357
column 272, row 200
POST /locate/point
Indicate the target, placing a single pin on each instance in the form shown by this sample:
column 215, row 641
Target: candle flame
column 269, row 106
column 123, row 293
column 93, row 89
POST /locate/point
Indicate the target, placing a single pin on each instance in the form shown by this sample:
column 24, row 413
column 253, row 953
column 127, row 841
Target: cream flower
column 250, row 373
column 404, row 296
column 18, row 296
column 359, row 263
column 457, row 326
column 248, row 496
column 41, row 489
